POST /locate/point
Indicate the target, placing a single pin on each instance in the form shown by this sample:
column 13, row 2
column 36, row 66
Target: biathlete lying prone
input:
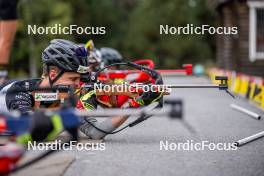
column 65, row 63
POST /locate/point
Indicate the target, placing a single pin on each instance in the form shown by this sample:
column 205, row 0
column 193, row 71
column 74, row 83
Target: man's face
column 69, row 79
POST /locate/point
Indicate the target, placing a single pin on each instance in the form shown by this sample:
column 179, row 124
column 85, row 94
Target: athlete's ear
column 53, row 73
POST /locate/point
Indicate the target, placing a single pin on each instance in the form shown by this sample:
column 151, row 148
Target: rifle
column 140, row 75
column 130, row 91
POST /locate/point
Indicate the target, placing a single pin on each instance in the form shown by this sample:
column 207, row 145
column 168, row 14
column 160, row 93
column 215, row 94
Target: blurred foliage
column 169, row 50
column 132, row 27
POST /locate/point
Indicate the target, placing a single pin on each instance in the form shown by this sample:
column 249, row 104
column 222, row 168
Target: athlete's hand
column 146, row 98
column 87, row 101
column 21, row 101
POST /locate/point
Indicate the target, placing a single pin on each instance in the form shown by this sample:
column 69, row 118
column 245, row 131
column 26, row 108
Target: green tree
column 168, row 50
column 132, row 27
column 27, row 48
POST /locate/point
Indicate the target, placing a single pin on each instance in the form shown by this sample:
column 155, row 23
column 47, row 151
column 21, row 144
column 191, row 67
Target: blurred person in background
column 8, row 25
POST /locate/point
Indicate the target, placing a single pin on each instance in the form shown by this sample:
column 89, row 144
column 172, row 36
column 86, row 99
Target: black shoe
column 3, row 76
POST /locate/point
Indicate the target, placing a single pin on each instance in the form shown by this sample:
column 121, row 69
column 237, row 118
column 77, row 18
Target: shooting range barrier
column 248, row 87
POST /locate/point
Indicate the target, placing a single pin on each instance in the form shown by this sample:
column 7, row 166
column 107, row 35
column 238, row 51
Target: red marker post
column 178, row 72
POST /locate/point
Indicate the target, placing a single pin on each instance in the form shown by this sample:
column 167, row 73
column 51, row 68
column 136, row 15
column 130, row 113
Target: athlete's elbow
column 96, row 135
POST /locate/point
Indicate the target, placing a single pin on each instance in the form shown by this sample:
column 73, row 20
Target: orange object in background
column 186, row 71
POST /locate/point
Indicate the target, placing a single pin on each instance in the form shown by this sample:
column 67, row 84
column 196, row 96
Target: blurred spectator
column 8, row 25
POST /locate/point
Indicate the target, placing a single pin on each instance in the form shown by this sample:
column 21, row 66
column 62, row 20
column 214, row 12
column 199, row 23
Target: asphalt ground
column 136, row 151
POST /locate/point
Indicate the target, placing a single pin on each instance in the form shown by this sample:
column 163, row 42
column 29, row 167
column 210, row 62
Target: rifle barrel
column 121, row 112
column 193, row 86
